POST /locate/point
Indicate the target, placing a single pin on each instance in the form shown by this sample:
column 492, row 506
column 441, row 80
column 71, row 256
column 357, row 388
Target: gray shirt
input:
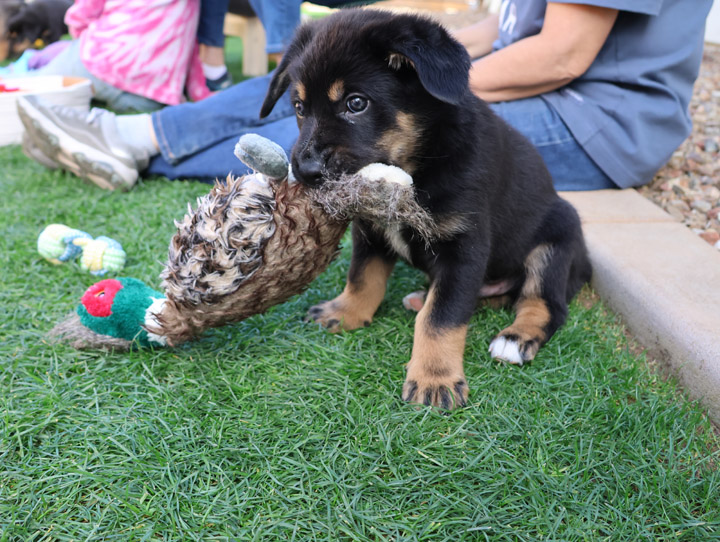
column 629, row 110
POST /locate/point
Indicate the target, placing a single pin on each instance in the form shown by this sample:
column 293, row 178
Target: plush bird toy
column 252, row 242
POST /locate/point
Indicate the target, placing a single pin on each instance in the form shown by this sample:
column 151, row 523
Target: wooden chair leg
column 250, row 29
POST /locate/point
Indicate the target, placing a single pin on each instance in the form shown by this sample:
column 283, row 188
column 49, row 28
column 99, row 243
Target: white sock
column 213, row 72
column 136, row 132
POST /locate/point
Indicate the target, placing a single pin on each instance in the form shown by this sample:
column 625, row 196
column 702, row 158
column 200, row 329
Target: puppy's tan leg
column 435, row 373
column 520, row 342
column 362, row 295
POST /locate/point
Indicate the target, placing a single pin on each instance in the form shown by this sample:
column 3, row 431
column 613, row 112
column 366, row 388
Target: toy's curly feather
column 259, row 269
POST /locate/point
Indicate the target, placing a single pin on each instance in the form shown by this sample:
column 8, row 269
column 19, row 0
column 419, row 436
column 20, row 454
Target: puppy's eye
column 356, row 104
column 299, row 108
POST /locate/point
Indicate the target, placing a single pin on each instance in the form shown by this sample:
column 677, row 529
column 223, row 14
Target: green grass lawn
column 274, row 429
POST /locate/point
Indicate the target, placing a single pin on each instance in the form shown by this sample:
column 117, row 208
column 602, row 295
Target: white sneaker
column 86, row 144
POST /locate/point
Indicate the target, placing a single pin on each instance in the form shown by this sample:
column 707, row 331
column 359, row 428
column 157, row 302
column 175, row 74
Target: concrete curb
column 662, row 279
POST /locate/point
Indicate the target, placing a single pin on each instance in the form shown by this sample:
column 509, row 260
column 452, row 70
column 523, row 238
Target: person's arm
column 479, row 37
column 571, row 37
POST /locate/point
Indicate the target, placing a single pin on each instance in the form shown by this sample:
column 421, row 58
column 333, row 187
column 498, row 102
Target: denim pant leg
column 210, row 24
column 186, row 129
column 197, row 139
column 218, row 161
column 279, row 18
column 570, row 166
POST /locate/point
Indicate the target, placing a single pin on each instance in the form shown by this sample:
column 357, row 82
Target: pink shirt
column 147, row 47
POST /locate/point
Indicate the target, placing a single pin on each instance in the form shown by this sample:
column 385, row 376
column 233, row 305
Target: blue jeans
column 280, row 18
column 210, row 24
column 570, row 166
column 197, row 139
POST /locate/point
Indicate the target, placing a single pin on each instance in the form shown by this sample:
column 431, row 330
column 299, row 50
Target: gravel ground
column 688, row 187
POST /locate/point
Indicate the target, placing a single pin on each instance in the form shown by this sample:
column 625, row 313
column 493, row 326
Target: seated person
column 139, row 56
column 603, row 94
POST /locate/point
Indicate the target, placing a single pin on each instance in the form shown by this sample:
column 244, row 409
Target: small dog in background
column 22, row 24
column 369, row 86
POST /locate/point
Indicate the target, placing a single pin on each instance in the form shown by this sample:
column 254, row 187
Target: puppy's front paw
column 334, row 316
column 514, row 348
column 447, row 393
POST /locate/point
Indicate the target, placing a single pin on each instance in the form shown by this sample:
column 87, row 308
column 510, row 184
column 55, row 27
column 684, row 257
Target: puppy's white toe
column 414, row 301
column 506, row 349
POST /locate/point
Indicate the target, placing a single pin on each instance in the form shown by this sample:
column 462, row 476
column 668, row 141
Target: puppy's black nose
column 309, row 171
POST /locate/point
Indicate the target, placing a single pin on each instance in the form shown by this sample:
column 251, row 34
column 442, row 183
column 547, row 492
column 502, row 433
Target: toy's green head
column 117, row 307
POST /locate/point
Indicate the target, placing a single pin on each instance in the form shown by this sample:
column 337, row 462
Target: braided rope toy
column 58, row 243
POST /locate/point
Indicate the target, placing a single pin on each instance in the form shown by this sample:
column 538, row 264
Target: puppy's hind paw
column 512, row 349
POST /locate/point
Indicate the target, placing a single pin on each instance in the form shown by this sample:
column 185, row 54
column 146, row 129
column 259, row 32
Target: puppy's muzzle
column 310, row 166
column 309, row 171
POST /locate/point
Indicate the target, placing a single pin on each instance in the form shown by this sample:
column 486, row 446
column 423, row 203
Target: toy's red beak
column 98, row 299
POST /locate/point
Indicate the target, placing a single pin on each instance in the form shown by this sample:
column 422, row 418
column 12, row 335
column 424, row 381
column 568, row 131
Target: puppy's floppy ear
column 441, row 63
column 281, row 78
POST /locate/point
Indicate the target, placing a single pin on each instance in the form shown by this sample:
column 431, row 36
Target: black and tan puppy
column 22, row 24
column 369, row 86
